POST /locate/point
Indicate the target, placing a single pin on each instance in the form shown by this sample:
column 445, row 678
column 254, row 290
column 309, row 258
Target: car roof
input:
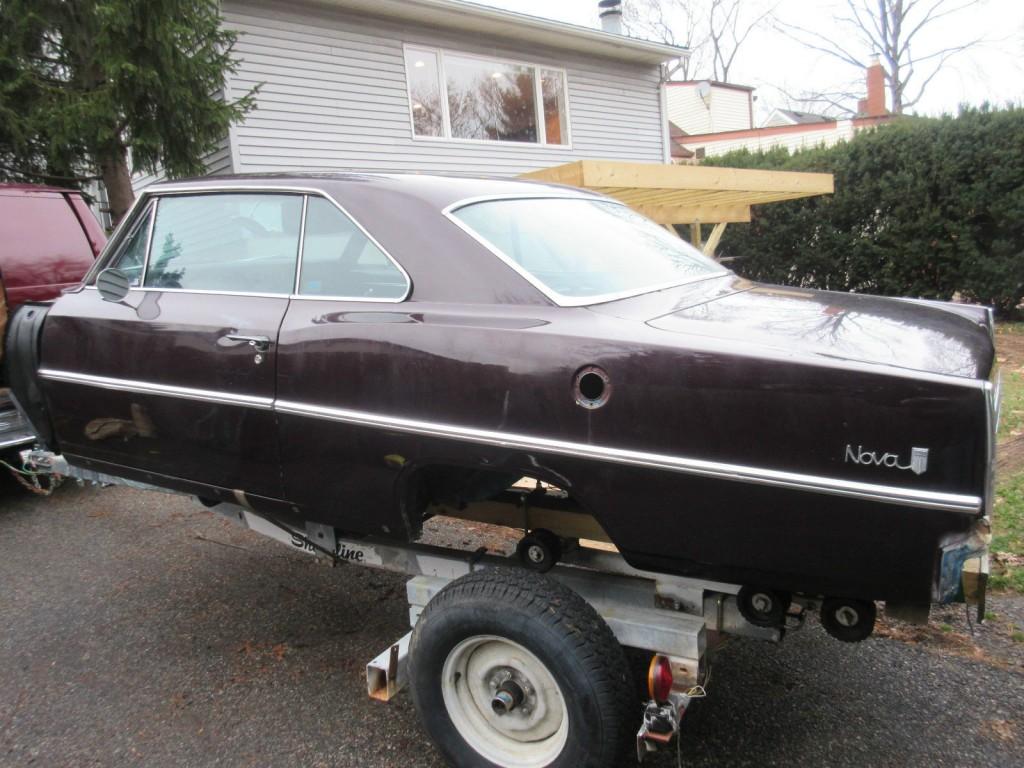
column 35, row 188
column 437, row 190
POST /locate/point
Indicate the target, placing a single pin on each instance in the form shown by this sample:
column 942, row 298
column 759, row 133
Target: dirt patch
column 954, row 631
column 1010, row 346
column 1010, row 457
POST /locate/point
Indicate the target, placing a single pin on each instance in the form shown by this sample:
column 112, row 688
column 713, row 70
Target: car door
column 334, row 349
column 178, row 378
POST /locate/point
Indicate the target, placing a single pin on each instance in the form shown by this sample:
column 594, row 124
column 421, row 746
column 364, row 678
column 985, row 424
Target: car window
column 339, row 260
column 580, row 250
column 234, row 242
column 132, row 256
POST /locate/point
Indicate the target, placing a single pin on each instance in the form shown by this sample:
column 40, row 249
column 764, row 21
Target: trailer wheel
column 539, row 550
column 511, row 669
column 848, row 620
column 763, row 607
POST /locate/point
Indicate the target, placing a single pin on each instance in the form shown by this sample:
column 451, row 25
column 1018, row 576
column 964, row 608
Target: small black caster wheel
column 763, row 607
column 848, row 620
column 539, row 550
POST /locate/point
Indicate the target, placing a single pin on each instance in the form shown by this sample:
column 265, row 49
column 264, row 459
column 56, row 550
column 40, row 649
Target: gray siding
column 333, row 97
column 217, row 162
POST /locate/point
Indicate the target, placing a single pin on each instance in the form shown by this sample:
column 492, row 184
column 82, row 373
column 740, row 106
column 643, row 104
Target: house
column 708, row 106
column 792, row 117
column 437, row 86
column 791, row 129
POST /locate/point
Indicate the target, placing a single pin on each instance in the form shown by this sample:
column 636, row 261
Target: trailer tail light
column 659, row 678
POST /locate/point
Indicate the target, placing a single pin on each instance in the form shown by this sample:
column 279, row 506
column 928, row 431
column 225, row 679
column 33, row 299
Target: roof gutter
column 468, row 16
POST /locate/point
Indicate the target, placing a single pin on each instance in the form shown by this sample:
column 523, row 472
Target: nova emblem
column 918, row 459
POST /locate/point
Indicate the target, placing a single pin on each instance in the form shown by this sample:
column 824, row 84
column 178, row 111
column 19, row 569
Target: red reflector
column 659, row 679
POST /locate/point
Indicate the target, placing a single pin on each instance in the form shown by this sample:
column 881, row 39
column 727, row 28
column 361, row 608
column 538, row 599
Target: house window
column 457, row 96
column 424, row 92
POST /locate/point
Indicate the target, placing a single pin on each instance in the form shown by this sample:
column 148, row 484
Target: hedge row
column 925, row 207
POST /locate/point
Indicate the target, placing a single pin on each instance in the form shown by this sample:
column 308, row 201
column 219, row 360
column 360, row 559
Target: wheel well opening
column 510, row 499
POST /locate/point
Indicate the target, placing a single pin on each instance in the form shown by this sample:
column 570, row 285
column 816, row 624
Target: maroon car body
column 49, row 239
column 821, row 443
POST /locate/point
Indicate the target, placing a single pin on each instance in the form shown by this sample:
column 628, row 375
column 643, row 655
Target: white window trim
column 446, row 127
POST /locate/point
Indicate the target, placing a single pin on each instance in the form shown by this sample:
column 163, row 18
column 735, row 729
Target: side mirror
column 113, row 285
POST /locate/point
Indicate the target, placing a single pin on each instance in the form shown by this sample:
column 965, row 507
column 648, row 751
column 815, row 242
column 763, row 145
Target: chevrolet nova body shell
column 822, row 443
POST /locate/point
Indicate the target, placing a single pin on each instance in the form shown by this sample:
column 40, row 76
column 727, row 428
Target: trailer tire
column 507, row 628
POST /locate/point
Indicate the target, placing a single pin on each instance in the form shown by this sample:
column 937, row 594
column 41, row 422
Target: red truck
column 48, row 240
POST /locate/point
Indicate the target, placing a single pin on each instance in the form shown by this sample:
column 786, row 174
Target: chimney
column 874, row 104
column 610, row 12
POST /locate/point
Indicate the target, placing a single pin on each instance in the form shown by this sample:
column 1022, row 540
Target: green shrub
column 925, row 207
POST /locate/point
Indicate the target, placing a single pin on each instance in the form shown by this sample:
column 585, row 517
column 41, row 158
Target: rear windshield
column 584, row 251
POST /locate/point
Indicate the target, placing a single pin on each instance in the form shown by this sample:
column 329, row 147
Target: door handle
column 259, row 343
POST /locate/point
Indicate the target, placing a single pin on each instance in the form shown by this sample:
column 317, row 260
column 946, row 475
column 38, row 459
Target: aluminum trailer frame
column 668, row 616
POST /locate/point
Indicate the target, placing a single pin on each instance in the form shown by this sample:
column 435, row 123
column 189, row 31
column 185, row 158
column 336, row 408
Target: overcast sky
column 775, row 64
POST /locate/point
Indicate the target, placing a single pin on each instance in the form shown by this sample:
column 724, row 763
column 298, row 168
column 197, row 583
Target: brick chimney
column 874, row 104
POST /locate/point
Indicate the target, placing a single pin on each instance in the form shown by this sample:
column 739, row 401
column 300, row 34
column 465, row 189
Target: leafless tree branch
column 890, row 29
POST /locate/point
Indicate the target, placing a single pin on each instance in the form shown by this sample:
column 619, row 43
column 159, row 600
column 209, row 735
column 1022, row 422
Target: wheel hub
column 504, row 702
column 847, row 616
column 762, row 603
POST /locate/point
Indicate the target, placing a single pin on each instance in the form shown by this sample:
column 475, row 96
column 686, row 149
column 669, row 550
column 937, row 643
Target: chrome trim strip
column 557, row 298
column 151, row 388
column 22, row 439
column 718, row 470
column 302, row 244
column 153, row 210
column 204, row 292
column 910, row 497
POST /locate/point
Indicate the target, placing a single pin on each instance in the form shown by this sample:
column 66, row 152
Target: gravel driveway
column 139, row 629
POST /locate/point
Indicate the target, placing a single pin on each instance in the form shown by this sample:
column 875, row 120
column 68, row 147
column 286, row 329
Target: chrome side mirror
column 113, row 285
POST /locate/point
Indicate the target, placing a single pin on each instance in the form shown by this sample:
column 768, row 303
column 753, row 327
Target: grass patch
column 1008, row 515
column 1008, row 530
column 1011, row 422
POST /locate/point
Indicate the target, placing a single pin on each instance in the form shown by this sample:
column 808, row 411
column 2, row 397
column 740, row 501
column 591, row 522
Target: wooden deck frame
column 688, row 194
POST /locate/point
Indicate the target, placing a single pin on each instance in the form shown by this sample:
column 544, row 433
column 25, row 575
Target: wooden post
column 695, row 235
column 716, row 235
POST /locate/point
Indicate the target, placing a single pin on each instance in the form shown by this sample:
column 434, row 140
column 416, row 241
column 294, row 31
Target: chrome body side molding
column 910, row 497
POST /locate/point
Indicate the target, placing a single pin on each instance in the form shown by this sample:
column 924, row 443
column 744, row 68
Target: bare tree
column 891, row 29
column 676, row 22
column 727, row 31
column 713, row 31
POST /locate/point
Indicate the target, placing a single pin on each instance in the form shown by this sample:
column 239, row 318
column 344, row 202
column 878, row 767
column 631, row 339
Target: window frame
column 555, row 297
column 446, row 122
column 150, row 201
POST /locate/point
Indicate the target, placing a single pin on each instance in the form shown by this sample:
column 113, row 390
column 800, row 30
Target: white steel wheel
column 511, row 669
column 504, row 702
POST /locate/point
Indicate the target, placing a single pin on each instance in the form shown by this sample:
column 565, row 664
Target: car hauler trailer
column 526, row 668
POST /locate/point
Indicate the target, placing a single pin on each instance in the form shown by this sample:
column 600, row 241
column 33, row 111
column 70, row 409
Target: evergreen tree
column 85, row 82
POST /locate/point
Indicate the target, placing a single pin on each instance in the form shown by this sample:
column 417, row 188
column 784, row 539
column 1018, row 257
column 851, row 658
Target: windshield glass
column 582, row 251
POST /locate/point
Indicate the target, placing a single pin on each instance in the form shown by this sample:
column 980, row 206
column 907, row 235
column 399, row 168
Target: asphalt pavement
column 139, row 629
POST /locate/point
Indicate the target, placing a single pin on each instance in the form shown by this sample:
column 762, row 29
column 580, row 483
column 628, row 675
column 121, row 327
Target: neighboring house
column 792, row 130
column 436, row 86
column 707, row 106
column 792, row 117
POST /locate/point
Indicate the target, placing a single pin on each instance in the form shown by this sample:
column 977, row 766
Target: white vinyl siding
column 333, row 97
column 724, row 109
column 217, row 163
column 814, row 135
